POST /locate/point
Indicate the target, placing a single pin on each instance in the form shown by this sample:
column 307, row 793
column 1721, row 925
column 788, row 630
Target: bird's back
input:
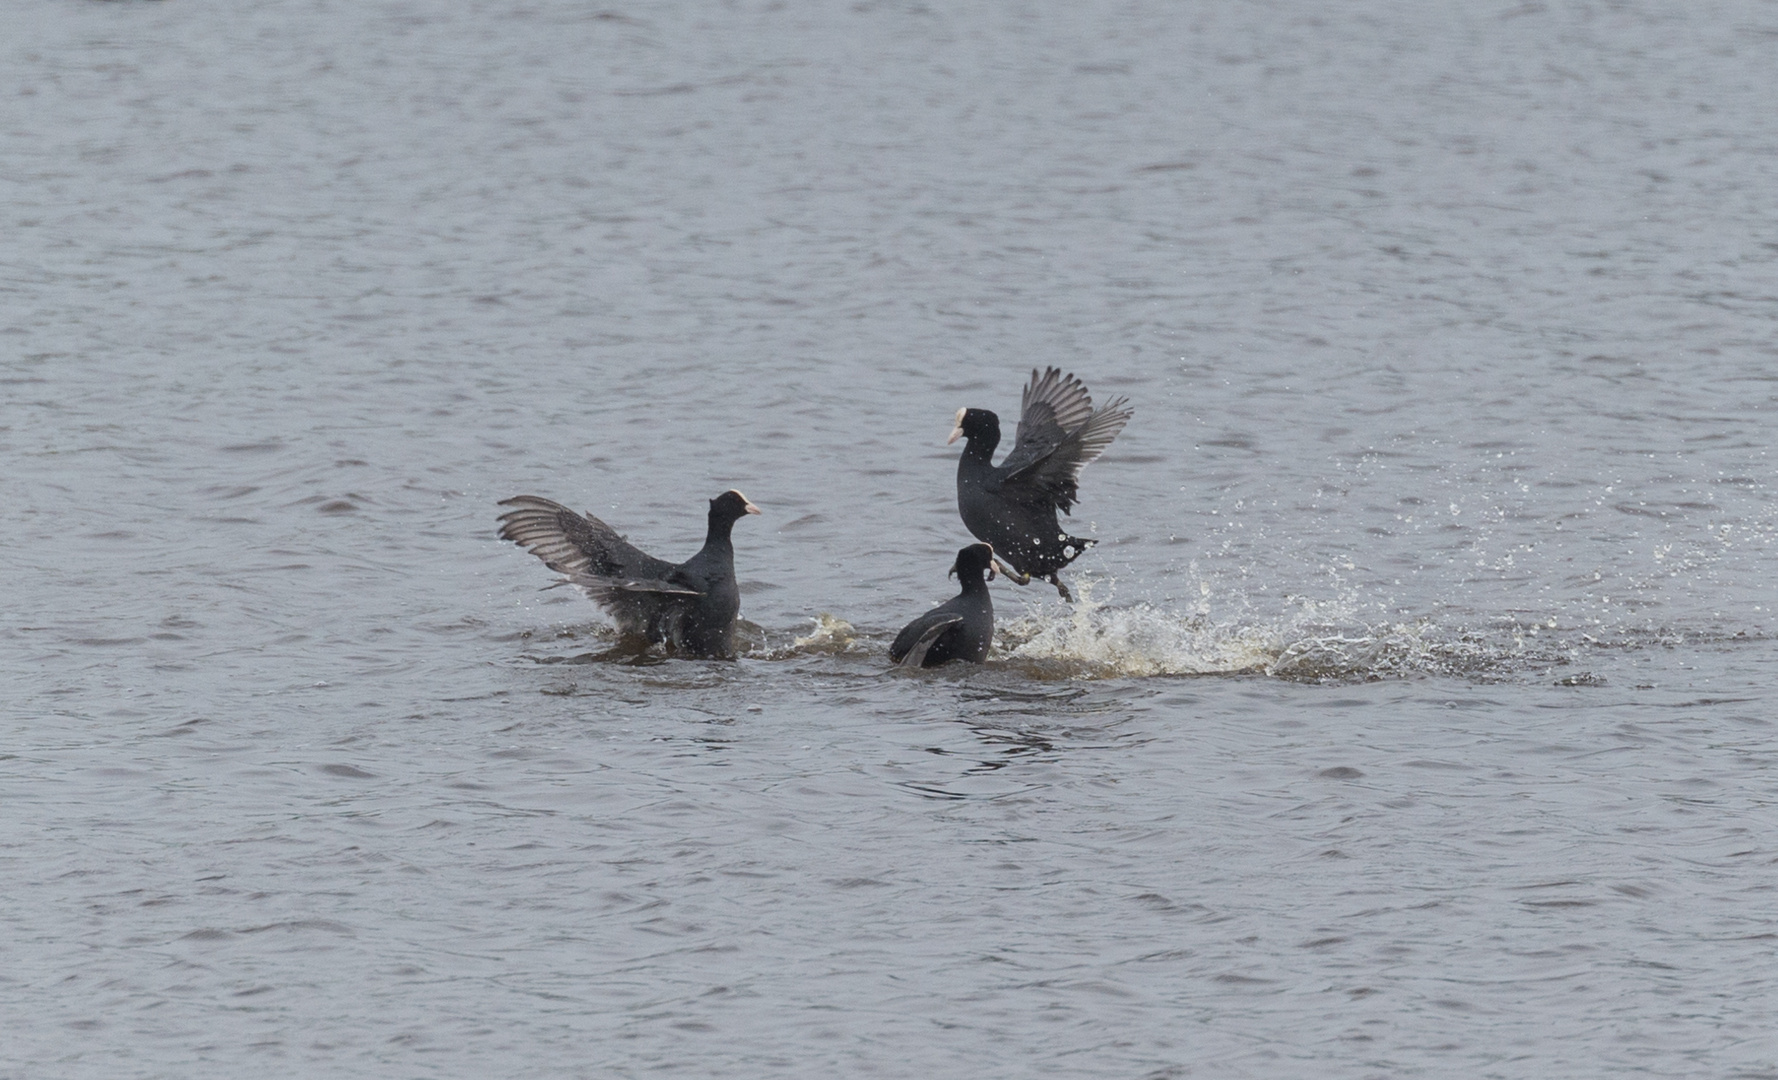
column 961, row 628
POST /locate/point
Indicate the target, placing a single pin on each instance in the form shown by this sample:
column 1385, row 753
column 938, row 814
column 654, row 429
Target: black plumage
column 1013, row 505
column 962, row 627
column 690, row 607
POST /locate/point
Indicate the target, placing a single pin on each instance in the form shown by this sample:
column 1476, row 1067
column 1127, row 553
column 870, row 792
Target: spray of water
column 1308, row 639
column 829, row 636
column 1314, row 640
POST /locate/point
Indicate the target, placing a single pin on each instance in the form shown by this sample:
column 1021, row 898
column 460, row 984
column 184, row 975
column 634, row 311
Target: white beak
column 957, row 428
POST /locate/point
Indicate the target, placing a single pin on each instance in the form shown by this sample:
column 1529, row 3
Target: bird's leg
column 1010, row 574
column 1056, row 580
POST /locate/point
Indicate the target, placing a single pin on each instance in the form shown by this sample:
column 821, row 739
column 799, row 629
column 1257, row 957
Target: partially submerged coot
column 961, row 628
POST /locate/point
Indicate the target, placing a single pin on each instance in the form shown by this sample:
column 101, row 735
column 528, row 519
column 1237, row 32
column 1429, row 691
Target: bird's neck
column 978, row 450
column 973, row 584
column 719, row 536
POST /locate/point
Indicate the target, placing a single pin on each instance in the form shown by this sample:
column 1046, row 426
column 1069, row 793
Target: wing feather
column 1066, row 396
column 1052, row 405
column 571, row 544
column 602, row 587
column 917, row 638
column 1057, row 474
column 640, row 591
column 1059, row 433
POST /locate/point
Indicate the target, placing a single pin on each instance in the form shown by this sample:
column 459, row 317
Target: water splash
column 1325, row 640
column 1314, row 640
column 829, row 636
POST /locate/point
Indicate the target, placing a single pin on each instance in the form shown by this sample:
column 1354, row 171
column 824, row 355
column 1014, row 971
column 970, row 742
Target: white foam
column 829, row 635
column 1314, row 639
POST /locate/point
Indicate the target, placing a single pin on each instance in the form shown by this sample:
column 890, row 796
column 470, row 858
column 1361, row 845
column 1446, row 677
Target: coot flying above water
column 690, row 607
column 1013, row 505
column 961, row 628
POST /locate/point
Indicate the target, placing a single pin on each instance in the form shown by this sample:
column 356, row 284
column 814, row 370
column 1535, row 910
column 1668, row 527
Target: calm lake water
column 1417, row 715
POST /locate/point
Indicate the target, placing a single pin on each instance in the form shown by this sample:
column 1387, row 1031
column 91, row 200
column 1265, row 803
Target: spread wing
column 589, row 553
column 1052, row 405
column 1059, row 433
column 916, row 638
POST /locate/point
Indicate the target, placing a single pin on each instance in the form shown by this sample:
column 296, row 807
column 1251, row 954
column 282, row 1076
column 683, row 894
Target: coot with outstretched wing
column 1013, row 505
column 690, row 607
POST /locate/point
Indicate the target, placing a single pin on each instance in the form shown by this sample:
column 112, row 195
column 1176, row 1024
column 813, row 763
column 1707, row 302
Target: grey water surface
column 1416, row 718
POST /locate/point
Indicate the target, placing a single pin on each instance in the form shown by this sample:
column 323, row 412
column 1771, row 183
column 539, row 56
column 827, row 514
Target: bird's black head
column 729, row 507
column 973, row 561
column 976, row 424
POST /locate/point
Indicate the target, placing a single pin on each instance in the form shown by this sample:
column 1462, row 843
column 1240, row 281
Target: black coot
column 690, row 608
column 1013, row 505
column 961, row 628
